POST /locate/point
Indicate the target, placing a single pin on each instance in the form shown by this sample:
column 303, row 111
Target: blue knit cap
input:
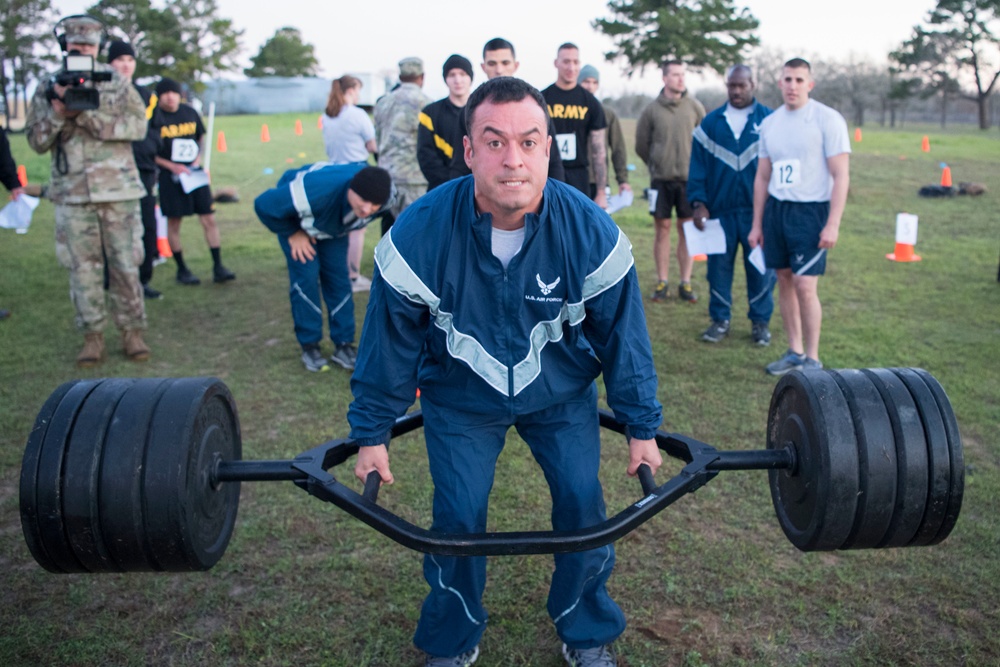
column 588, row 72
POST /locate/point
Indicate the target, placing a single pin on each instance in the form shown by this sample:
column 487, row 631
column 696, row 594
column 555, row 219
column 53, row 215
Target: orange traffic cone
column 906, row 238
column 298, row 127
column 946, row 176
column 162, row 244
column 925, row 144
column 319, row 122
column 164, row 247
column 220, row 143
column 265, row 135
column 22, row 175
column 857, row 135
column 700, row 258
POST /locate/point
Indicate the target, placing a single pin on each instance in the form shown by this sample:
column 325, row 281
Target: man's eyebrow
column 490, row 128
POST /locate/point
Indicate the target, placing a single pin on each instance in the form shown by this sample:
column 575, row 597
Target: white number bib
column 183, row 150
column 567, row 146
column 786, row 174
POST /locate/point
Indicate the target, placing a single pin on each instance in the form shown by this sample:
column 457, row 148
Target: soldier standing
column 397, row 118
column 96, row 189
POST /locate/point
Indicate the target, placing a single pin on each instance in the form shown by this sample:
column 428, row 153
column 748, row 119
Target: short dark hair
column 410, row 78
column 501, row 90
column 796, row 63
column 498, row 44
column 668, row 63
column 739, row 67
column 567, row 45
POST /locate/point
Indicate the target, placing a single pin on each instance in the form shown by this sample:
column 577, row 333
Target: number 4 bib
column 786, row 174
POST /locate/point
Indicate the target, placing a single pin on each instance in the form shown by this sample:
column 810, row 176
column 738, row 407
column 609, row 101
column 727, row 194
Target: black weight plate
column 48, row 479
column 955, row 452
column 121, row 487
column 876, row 459
column 815, row 503
column 938, row 459
column 81, row 476
column 189, row 520
column 29, row 478
column 911, row 457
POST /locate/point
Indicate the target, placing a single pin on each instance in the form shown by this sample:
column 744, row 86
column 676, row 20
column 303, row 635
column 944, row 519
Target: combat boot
column 92, row 352
column 135, row 348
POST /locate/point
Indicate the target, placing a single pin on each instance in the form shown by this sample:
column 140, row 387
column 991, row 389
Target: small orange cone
column 700, row 258
column 164, row 247
column 906, row 238
column 220, row 143
column 319, row 122
column 857, row 135
column 946, row 177
column 22, row 175
column 265, row 135
column 298, row 127
column 925, row 144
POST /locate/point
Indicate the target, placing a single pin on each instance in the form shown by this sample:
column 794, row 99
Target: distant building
column 278, row 94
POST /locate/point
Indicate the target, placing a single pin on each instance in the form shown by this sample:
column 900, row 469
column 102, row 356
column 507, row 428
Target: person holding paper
column 799, row 198
column 720, row 186
column 184, row 188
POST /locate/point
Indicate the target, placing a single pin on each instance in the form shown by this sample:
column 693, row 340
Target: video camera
column 78, row 76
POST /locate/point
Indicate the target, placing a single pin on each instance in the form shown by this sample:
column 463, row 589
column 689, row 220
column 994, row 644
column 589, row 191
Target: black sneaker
column 221, row 274
column 345, row 356
column 685, row 292
column 185, row 277
column 149, row 293
column 660, row 293
column 716, row 331
column 314, row 360
column 761, row 334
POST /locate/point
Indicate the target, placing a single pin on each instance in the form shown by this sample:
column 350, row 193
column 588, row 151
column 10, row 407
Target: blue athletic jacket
column 313, row 198
column 445, row 315
column 722, row 168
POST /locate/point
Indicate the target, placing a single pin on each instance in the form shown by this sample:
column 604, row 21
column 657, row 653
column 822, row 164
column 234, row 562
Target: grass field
column 710, row 581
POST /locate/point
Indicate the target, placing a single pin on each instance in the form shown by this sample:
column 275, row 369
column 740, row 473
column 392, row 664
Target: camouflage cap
column 83, row 30
column 411, row 67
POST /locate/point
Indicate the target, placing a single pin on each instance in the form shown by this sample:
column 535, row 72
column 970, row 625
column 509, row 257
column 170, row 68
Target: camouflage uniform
column 397, row 117
column 96, row 189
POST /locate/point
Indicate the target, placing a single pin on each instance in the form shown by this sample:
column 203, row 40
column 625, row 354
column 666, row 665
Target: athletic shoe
column 685, row 292
column 345, row 356
column 221, row 274
column 790, row 362
column 761, row 334
column 602, row 656
column 313, row 360
column 660, row 293
column 812, row 364
column 716, row 331
column 185, row 277
column 463, row 660
column 360, row 284
column 150, row 294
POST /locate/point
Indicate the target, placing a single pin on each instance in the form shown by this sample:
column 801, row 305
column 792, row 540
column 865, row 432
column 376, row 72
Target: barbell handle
column 372, row 484
column 645, row 474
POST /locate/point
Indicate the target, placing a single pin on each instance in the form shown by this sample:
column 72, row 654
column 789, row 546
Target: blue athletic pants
column 760, row 287
column 326, row 273
column 463, row 450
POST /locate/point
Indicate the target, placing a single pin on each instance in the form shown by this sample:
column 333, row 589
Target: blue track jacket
column 446, row 316
column 722, row 168
column 312, row 198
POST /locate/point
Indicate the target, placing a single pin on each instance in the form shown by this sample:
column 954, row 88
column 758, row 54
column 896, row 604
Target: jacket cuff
column 639, row 433
column 374, row 440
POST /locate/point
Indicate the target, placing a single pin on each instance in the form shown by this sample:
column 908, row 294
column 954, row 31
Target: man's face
column 590, row 84
column 507, row 150
column 499, row 63
column 361, row 207
column 795, row 84
column 568, row 66
column 740, row 87
column 124, row 65
column 170, row 101
column 83, row 49
column 458, row 82
column 673, row 79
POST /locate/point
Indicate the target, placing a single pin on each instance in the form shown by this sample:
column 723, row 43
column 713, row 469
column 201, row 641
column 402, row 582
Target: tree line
column 952, row 58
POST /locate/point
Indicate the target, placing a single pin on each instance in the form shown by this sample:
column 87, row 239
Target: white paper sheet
column 17, row 213
column 710, row 241
column 756, row 258
column 906, row 228
column 619, row 201
column 198, row 178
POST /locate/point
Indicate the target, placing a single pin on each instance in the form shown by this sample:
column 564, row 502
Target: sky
column 371, row 36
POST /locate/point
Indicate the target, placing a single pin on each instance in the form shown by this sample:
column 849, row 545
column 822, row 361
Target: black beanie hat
column 456, row 61
column 118, row 48
column 167, row 85
column 373, row 184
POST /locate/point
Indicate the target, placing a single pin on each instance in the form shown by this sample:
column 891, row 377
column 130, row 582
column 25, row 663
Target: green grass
column 710, row 581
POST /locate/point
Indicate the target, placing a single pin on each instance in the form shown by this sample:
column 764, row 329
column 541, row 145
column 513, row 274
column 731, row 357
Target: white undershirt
column 737, row 118
column 506, row 244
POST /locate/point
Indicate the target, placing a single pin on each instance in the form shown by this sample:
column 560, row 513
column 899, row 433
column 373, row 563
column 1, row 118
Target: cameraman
column 95, row 186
